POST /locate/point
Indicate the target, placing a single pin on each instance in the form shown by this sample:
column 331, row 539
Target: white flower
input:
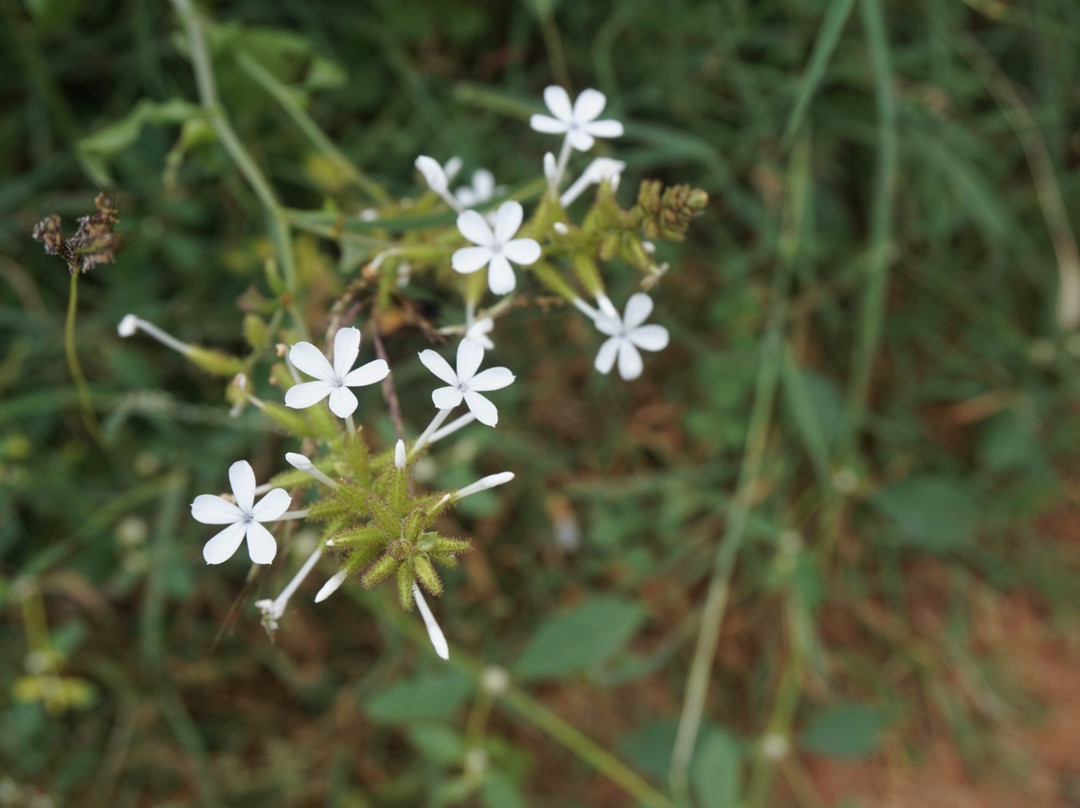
column 578, row 122
column 600, row 169
column 482, row 189
column 478, row 332
column 436, row 176
column 333, row 380
column 496, row 249
column 627, row 335
column 244, row 519
column 466, row 384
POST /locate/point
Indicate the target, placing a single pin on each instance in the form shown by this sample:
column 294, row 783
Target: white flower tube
column 302, row 463
column 330, row 587
column 130, row 324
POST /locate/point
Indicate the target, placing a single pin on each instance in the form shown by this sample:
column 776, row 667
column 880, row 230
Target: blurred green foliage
column 922, row 439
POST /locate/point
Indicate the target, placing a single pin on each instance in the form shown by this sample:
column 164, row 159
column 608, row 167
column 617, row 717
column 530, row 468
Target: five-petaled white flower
column 482, row 189
column 578, row 122
column 496, row 249
column 243, row 519
column 627, row 335
column 466, row 384
column 333, row 380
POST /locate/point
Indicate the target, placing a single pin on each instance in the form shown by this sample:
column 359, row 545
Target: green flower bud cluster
column 667, row 212
column 379, row 527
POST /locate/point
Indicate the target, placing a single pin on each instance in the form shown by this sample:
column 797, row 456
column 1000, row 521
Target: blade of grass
column 872, row 307
column 772, row 353
column 287, row 99
column 832, row 26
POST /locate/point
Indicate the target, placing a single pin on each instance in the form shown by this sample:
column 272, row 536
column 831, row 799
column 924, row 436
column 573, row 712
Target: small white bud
column 775, row 746
column 495, row 680
column 399, row 454
column 649, row 247
column 331, row 586
column 433, row 173
column 435, row 634
column 484, row 483
column 128, row 326
column 550, row 167
column 298, row 461
column 560, row 228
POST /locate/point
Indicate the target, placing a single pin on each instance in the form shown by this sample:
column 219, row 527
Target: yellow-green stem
column 86, row 404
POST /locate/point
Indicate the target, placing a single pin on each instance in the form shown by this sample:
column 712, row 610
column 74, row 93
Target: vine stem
column 86, row 404
column 277, row 220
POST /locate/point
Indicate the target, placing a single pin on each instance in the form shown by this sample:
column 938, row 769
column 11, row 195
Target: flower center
column 496, row 248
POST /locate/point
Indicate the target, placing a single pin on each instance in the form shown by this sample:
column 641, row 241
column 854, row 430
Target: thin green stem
column 532, row 711
column 872, row 312
column 277, row 222
column 287, row 99
column 86, row 405
column 772, row 354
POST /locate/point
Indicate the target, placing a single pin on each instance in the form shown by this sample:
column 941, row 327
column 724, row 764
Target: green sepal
column 255, row 331
column 290, row 420
column 384, row 517
column 214, row 362
column 378, row 572
column 404, row 587
column 426, row 574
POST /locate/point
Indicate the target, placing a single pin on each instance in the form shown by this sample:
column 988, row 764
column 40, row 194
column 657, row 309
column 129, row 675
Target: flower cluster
column 372, row 516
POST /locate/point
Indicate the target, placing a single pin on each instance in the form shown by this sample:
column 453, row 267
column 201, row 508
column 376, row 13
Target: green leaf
column 933, row 513
column 438, row 743
column 501, row 791
column 717, row 770
column 845, row 731
column 420, row 699
column 585, row 636
column 121, row 134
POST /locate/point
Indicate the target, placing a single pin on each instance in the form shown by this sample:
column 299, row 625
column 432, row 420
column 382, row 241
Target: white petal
column 342, row 402
column 491, row 379
column 605, row 358
column 213, row 510
column 435, row 634
column 547, row 125
column 522, row 251
column 433, row 173
column 604, row 129
column 475, row 228
column 222, row 545
column 446, row 398
column 558, row 102
column 637, row 311
column 242, row 480
column 439, row 366
column 346, row 349
column 479, row 330
column 373, row 372
column 470, row 354
column 630, row 364
column 501, row 280
column 508, row 220
column 589, row 105
column 649, row 337
column 580, row 140
column 270, row 507
column 606, row 324
column 452, row 167
column 470, row 259
column 482, row 408
column 261, row 545
column 305, row 394
column 330, row 587
column 483, row 183
column 309, row 359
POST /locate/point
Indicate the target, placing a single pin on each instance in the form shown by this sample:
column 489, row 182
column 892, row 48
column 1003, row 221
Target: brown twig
column 389, row 391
